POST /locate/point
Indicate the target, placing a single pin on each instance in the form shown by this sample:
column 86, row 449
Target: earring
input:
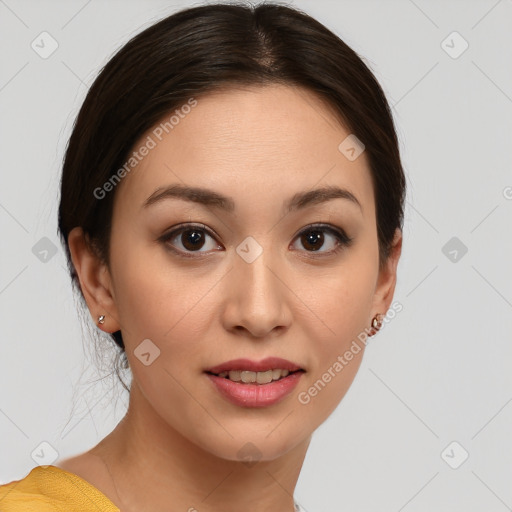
column 377, row 321
column 101, row 319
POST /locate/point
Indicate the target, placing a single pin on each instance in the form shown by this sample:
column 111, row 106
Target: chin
column 265, row 445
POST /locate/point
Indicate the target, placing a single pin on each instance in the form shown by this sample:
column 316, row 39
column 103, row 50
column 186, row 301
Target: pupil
column 194, row 239
column 313, row 238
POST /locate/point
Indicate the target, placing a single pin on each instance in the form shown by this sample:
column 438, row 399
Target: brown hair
column 195, row 51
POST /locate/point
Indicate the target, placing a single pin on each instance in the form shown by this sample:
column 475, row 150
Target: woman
column 231, row 207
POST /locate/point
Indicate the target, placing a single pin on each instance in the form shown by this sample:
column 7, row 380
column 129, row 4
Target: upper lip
column 269, row 363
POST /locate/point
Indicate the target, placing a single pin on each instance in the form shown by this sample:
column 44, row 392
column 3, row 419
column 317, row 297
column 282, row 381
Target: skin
column 179, row 440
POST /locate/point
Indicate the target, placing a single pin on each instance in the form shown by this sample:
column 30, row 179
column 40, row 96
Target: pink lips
column 255, row 395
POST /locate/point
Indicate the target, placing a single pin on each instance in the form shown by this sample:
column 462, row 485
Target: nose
column 257, row 297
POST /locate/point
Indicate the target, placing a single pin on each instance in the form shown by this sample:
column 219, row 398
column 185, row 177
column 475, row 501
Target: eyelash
column 341, row 237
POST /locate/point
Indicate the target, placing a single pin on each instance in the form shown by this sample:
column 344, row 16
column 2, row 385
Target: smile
column 249, row 377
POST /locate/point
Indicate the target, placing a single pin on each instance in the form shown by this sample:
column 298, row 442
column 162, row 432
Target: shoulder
column 90, row 467
column 24, row 494
column 52, row 489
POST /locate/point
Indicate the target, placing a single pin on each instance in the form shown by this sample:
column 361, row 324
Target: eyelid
column 334, row 230
column 188, row 225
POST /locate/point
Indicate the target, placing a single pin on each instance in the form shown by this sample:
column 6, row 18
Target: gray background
column 439, row 372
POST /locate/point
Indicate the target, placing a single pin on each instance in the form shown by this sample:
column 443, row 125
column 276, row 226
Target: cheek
column 341, row 299
column 174, row 308
column 341, row 304
column 159, row 303
column 153, row 297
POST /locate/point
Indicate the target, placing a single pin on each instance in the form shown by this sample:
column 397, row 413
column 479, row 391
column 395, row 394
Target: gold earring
column 101, row 319
column 377, row 321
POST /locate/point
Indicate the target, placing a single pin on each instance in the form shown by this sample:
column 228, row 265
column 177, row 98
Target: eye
column 190, row 238
column 313, row 238
column 185, row 240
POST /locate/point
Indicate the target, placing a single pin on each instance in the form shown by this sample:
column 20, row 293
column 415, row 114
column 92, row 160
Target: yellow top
column 52, row 489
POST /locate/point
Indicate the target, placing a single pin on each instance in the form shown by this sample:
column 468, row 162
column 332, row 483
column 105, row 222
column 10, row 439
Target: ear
column 95, row 281
column 386, row 281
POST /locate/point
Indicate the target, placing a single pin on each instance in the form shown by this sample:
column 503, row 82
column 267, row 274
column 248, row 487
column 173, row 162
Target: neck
column 153, row 466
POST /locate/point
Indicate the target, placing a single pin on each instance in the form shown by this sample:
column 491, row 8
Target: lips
column 270, row 363
column 255, row 395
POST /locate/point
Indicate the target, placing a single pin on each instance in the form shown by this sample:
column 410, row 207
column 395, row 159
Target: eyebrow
column 209, row 197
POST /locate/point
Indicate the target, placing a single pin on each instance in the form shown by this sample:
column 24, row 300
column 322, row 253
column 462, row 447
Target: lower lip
column 256, row 395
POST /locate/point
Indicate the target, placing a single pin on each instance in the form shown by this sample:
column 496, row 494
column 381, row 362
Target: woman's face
column 251, row 278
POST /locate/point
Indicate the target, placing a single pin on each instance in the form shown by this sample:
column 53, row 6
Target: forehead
column 258, row 141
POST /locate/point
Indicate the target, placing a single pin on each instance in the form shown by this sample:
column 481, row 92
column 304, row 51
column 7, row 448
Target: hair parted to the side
column 201, row 49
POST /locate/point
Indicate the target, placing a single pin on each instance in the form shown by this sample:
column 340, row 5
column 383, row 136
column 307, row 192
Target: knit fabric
column 52, row 489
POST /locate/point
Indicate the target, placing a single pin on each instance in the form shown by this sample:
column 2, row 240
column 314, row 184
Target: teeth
column 233, row 375
column 248, row 377
column 265, row 377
